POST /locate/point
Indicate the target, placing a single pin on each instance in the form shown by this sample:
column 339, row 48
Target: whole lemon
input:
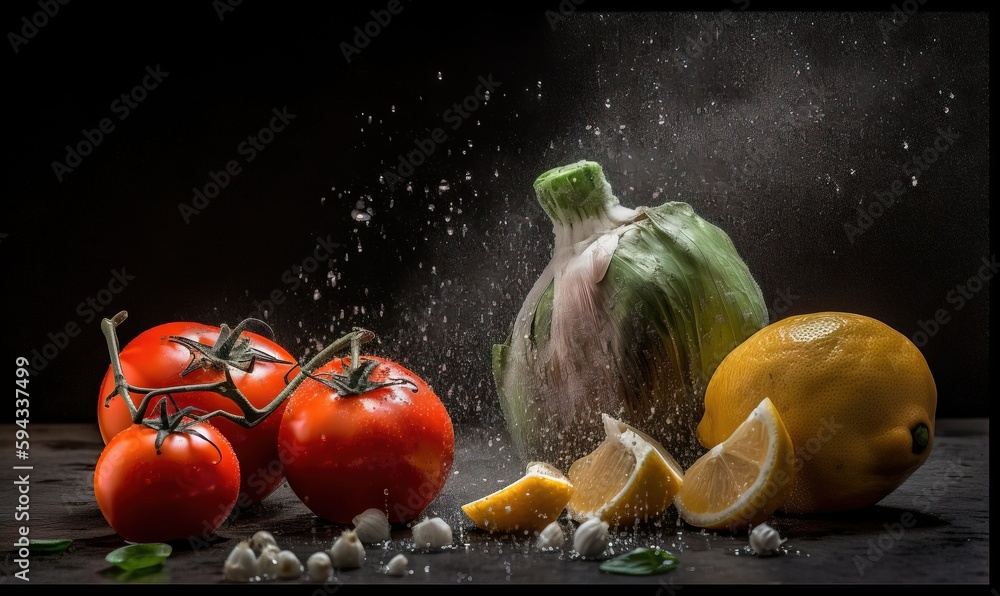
column 856, row 396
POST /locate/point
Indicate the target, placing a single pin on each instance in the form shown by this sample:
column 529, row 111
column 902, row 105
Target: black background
column 775, row 126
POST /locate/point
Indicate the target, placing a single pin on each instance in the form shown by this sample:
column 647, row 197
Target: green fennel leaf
column 641, row 561
column 47, row 545
column 139, row 556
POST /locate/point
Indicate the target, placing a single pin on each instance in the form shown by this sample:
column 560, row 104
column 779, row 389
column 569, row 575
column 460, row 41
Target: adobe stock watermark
column 566, row 9
column 292, row 278
column 87, row 311
column 248, row 150
column 364, row 34
column 31, row 25
column 122, row 107
column 802, row 455
column 257, row 483
column 894, row 532
column 956, row 299
column 911, row 168
column 781, row 302
column 901, row 13
column 454, row 116
column 223, row 7
column 810, row 108
column 695, row 46
column 668, row 587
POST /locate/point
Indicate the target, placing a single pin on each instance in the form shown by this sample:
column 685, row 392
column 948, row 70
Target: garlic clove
column 319, row 567
column 591, row 537
column 765, row 540
column 372, row 526
column 267, row 561
column 347, row 551
column 241, row 564
column 289, row 566
column 551, row 537
column 397, row 566
column 261, row 539
column 432, row 533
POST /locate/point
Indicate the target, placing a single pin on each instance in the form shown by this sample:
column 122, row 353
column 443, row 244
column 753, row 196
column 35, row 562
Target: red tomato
column 185, row 492
column 380, row 438
column 153, row 361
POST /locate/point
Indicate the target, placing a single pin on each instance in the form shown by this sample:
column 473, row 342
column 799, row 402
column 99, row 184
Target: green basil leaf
column 641, row 561
column 139, row 556
column 46, row 545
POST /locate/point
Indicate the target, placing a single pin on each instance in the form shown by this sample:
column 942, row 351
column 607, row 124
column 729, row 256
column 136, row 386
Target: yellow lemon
column 857, row 397
column 627, row 478
column 527, row 505
column 741, row 481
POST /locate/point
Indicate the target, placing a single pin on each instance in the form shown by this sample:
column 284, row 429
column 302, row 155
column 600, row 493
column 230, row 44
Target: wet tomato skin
column 185, row 492
column 389, row 448
column 152, row 360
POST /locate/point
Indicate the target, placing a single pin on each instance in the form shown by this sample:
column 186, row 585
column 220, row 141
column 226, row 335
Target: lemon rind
column 724, row 518
column 619, row 510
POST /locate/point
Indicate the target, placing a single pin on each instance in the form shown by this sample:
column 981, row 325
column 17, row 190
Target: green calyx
column 232, row 349
column 921, row 438
column 356, row 378
column 180, row 421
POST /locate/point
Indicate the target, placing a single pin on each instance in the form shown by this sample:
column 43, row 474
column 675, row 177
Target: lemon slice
column 628, row 477
column 743, row 480
column 529, row 504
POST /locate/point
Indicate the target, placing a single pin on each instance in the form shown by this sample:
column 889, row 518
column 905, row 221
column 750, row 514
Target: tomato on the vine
column 158, row 486
column 371, row 435
column 187, row 353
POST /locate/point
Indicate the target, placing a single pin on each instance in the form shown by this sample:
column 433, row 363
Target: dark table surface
column 948, row 497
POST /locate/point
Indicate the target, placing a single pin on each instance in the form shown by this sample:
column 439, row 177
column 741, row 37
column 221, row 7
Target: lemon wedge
column 741, row 481
column 629, row 477
column 527, row 505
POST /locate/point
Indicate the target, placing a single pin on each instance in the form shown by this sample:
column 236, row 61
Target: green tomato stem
column 250, row 415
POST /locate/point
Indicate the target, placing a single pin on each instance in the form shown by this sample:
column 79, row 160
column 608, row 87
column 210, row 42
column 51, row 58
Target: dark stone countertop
column 945, row 504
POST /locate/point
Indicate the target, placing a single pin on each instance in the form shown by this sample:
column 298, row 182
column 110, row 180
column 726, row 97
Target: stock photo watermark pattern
column 454, row 117
column 122, row 107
